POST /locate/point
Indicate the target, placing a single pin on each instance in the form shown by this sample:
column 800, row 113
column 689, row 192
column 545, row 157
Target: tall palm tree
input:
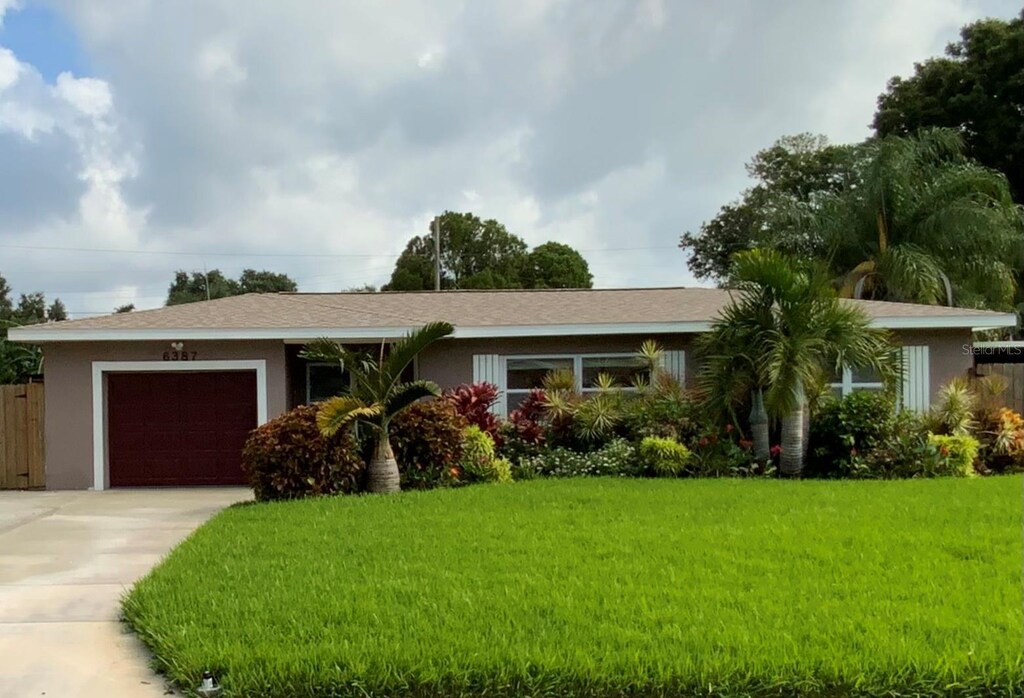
column 378, row 394
column 925, row 224
column 783, row 329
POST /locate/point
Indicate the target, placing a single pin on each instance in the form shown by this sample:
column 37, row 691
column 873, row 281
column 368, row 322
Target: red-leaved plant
column 474, row 401
column 528, row 418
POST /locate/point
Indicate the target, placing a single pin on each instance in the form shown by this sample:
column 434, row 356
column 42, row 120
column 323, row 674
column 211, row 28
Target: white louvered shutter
column 487, row 367
column 674, row 363
column 916, row 378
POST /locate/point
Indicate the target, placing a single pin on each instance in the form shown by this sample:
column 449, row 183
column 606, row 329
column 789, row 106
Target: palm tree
column 783, row 329
column 925, row 224
column 378, row 394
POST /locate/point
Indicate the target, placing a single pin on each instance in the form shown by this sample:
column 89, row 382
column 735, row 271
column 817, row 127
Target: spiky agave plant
column 378, row 394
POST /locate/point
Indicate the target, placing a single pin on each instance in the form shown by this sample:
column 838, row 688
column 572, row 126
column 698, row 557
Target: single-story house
column 167, row 396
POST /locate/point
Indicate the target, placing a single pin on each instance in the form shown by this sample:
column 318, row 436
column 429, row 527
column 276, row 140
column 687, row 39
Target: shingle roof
column 267, row 313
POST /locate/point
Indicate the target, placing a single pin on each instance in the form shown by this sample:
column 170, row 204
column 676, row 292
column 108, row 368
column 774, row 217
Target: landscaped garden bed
column 602, row 586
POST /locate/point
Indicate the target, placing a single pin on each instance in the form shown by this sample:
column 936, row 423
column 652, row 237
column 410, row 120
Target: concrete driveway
column 65, row 560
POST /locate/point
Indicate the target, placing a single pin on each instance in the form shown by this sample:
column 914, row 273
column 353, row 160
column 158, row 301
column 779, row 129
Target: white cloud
column 10, row 68
column 341, row 128
column 88, row 95
column 7, row 5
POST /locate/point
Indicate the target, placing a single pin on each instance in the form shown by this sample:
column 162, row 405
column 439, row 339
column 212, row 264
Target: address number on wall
column 180, row 355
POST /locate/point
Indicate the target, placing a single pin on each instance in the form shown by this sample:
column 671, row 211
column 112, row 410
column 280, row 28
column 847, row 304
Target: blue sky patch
column 39, row 36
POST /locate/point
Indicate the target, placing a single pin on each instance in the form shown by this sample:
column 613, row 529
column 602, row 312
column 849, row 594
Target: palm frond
column 405, row 350
column 336, row 412
column 405, row 394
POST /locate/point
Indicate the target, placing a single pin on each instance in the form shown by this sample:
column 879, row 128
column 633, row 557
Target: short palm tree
column 377, row 395
column 783, row 330
column 924, row 225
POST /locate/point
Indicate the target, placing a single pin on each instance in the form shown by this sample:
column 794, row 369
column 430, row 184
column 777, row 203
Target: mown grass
column 603, row 587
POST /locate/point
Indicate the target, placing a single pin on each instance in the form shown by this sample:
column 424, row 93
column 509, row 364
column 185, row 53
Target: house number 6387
column 179, row 356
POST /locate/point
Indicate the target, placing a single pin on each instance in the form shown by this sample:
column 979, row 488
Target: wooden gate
column 1013, row 374
column 21, row 436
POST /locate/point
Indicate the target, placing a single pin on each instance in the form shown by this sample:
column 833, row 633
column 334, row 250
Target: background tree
column 554, row 265
column 470, row 247
column 977, row 88
column 252, row 281
column 479, row 253
column 18, row 362
column 57, row 312
column 127, row 308
column 923, row 214
column 792, row 178
column 190, row 288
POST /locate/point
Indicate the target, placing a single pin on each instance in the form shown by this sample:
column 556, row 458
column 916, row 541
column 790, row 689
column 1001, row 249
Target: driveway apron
column 66, row 558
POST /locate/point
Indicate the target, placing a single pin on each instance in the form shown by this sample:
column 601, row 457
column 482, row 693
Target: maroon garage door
column 179, row 428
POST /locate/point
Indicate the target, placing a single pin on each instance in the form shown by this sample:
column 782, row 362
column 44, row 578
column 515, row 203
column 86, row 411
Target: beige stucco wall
column 68, row 370
column 68, row 381
column 946, row 356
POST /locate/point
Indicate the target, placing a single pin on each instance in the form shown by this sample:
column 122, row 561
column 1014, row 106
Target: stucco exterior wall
column 946, row 356
column 68, row 385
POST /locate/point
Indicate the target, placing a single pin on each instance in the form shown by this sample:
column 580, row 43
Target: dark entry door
column 176, row 429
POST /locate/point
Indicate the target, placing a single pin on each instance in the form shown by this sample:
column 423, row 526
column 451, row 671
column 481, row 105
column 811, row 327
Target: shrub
column 842, row 429
column 595, row 420
column 479, row 462
column 662, row 409
column 715, row 453
column 902, row 452
column 953, row 412
column 1001, row 433
column 474, row 402
column 288, row 458
column 664, row 457
column 427, row 440
column 528, row 419
column 956, row 453
column 616, row 458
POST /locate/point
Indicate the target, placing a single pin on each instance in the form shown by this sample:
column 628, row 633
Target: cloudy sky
column 316, row 137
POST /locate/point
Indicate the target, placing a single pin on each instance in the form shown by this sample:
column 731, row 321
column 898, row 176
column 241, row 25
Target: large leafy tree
column 792, row 177
column 19, row 361
column 378, row 394
column 977, row 88
column 200, row 286
column 784, row 330
column 478, row 253
column 925, row 224
column 555, row 265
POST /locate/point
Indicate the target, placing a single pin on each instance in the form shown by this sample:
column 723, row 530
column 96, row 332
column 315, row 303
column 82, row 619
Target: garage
column 179, row 428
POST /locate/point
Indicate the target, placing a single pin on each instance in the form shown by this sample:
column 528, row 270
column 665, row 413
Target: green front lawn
column 602, row 586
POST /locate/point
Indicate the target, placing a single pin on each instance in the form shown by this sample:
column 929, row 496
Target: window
column 855, row 379
column 523, row 374
column 324, row 381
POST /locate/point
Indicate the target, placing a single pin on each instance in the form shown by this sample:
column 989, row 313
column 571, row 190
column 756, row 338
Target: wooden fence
column 21, row 436
column 1013, row 374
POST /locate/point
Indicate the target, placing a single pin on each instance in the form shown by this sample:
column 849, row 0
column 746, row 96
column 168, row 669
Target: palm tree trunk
column 383, row 469
column 759, row 426
column 791, row 462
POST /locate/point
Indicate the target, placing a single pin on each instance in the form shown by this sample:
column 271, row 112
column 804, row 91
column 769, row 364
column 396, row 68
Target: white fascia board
column 972, row 322
column 43, row 334
column 298, row 335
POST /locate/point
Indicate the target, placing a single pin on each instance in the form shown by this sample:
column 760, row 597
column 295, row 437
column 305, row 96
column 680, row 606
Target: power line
column 48, row 248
